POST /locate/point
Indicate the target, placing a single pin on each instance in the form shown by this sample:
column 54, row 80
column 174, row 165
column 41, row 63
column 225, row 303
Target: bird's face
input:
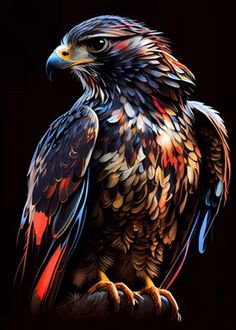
column 106, row 48
column 111, row 54
column 76, row 56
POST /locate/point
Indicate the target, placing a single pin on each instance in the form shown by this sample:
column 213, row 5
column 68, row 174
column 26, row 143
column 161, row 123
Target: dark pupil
column 97, row 44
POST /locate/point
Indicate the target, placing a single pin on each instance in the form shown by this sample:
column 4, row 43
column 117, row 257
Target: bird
column 123, row 182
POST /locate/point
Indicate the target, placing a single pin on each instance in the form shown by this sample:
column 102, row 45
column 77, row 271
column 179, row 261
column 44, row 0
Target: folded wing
column 55, row 209
column 215, row 172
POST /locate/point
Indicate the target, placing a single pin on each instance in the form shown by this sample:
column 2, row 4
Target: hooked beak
column 55, row 62
column 63, row 57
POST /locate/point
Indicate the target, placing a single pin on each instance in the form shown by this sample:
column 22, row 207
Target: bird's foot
column 156, row 293
column 111, row 289
column 131, row 297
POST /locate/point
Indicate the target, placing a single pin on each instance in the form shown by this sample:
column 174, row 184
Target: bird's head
column 111, row 52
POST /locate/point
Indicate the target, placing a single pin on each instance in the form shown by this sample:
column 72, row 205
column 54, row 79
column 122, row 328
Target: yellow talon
column 156, row 293
column 111, row 289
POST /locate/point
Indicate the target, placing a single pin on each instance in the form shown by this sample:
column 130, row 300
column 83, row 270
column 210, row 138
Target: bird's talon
column 173, row 304
column 111, row 291
column 138, row 297
column 156, row 293
column 130, row 296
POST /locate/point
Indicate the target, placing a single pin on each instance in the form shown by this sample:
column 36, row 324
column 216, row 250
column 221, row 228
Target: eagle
column 122, row 182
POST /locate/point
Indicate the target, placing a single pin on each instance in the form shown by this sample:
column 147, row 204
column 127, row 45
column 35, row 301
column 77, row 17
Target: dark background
column 202, row 38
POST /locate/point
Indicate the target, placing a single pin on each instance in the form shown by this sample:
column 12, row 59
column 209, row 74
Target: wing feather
column 215, row 172
column 55, row 210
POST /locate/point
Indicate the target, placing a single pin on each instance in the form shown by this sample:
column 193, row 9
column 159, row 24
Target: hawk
column 121, row 183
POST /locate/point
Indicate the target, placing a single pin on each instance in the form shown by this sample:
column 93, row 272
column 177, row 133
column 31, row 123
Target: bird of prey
column 121, row 183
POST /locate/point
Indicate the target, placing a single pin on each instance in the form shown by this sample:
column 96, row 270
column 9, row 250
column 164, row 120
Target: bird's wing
column 55, row 210
column 215, row 173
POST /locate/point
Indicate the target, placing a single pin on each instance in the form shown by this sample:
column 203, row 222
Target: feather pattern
column 55, row 210
column 159, row 166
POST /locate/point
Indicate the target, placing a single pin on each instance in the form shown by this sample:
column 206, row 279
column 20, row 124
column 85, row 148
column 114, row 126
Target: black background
column 202, row 38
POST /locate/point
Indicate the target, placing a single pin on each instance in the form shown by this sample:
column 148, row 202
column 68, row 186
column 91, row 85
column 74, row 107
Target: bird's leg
column 156, row 293
column 104, row 284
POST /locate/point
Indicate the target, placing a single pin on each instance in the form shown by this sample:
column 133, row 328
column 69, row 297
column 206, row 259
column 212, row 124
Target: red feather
column 121, row 45
column 49, row 273
column 40, row 224
column 157, row 105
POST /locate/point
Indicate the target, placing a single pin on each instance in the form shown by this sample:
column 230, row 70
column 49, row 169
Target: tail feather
column 48, row 273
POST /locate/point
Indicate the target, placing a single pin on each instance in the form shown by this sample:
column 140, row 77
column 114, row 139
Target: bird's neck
column 141, row 86
column 141, row 98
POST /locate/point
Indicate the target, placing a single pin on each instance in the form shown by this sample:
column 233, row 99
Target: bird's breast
column 139, row 170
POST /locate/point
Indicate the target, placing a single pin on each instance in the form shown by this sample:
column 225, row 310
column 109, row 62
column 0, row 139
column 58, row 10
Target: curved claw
column 131, row 297
column 174, row 306
column 111, row 290
column 156, row 293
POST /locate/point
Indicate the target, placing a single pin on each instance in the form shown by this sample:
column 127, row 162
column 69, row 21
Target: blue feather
column 202, row 234
column 219, row 189
column 207, row 198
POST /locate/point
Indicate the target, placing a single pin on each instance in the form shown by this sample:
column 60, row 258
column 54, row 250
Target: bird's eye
column 96, row 45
